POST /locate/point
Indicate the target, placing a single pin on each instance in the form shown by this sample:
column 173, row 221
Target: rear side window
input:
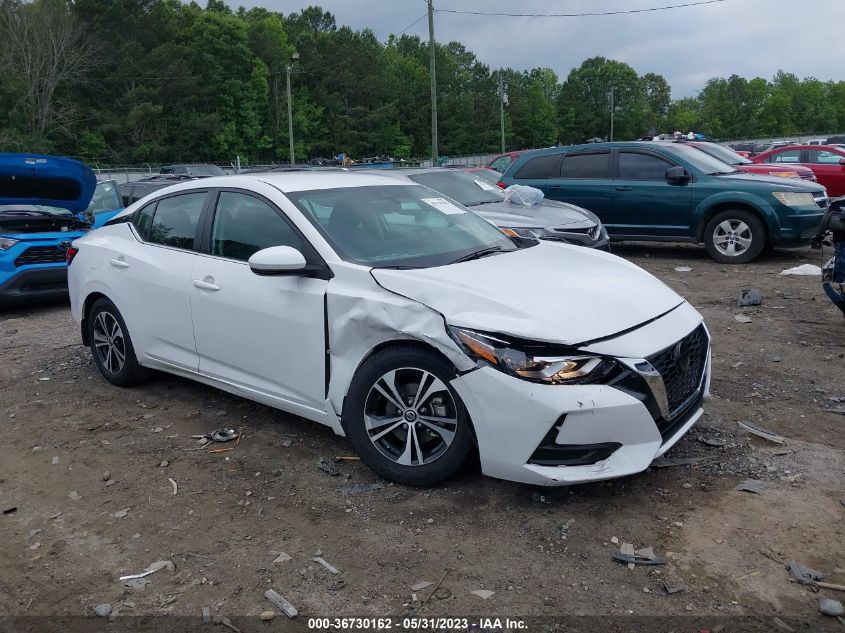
column 542, row 167
column 633, row 166
column 823, row 157
column 142, row 219
column 789, row 156
column 593, row 165
column 176, row 219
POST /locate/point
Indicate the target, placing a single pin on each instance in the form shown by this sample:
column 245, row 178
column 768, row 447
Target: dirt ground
column 88, row 467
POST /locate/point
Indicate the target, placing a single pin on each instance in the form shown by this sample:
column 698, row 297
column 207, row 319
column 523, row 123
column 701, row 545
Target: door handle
column 624, row 188
column 119, row 263
column 205, row 285
column 556, row 187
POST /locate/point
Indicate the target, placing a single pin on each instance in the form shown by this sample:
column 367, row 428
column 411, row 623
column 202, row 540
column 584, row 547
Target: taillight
column 501, row 184
column 70, row 253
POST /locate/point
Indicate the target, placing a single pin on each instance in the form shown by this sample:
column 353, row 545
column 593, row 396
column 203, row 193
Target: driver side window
column 243, row 225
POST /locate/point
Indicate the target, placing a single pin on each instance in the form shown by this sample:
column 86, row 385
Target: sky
column 750, row 38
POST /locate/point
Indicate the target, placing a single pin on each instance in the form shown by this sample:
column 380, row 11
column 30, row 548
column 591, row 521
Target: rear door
column 149, row 269
column 583, row 179
column 826, row 165
column 535, row 172
column 644, row 203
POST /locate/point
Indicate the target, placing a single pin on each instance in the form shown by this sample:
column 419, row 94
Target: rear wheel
column 403, row 418
column 734, row 236
column 111, row 345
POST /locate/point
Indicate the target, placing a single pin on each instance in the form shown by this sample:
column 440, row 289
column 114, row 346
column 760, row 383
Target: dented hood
column 29, row 179
column 549, row 292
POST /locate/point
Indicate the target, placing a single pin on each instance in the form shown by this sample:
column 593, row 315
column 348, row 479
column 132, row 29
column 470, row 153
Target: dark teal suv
column 667, row 191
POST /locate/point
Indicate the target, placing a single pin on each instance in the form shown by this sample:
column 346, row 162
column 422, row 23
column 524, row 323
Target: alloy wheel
column 410, row 416
column 109, row 342
column 732, row 237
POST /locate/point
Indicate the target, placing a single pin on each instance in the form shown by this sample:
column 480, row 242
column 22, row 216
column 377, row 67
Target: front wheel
column 111, row 346
column 734, row 237
column 404, row 420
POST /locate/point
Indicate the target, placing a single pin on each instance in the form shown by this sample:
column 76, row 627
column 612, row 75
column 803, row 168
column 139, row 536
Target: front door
column 645, row 204
column 262, row 333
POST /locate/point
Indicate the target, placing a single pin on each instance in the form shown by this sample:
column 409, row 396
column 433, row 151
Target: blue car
column 45, row 203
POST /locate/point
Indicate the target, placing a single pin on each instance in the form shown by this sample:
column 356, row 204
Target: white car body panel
column 264, row 337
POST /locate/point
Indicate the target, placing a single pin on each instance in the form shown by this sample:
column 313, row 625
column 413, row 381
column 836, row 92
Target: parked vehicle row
column 668, row 191
column 827, row 162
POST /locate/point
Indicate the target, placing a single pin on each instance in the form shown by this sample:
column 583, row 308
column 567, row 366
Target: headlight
column 6, row 243
column 552, row 369
column 795, row 199
column 535, row 234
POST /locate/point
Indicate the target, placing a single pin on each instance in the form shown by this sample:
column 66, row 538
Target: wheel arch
column 712, row 211
column 89, row 302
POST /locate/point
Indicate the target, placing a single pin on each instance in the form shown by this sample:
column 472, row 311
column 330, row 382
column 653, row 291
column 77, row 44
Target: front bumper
column 34, row 282
column 798, row 225
column 601, row 431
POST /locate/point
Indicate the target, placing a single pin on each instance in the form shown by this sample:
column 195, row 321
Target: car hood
column 30, row 179
column 793, row 184
column 550, row 292
column 543, row 215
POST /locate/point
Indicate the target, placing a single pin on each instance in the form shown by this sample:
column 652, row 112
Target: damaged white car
column 400, row 319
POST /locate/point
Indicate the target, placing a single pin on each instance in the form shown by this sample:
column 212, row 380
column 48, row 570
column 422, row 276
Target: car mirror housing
column 277, row 260
column 677, row 173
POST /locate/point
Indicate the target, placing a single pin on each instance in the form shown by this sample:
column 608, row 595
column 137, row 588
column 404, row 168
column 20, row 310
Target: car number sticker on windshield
column 443, row 205
column 486, row 185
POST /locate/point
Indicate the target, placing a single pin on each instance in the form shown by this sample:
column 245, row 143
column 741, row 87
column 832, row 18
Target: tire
column 415, row 444
column 111, row 345
column 734, row 236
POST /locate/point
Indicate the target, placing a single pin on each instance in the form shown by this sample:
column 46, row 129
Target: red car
column 501, row 162
column 741, row 163
column 826, row 161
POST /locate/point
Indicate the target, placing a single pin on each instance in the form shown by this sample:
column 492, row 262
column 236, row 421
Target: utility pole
column 502, row 108
column 612, row 112
column 433, row 73
column 289, row 67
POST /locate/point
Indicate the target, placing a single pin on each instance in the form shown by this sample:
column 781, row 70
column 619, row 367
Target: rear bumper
column 34, row 283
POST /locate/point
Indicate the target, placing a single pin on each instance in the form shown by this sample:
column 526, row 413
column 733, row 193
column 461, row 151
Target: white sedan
column 401, row 320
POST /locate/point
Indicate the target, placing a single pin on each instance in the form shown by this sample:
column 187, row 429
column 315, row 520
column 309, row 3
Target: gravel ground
column 91, row 470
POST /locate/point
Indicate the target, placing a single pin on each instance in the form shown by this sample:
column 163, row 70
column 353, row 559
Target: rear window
column 542, row 167
column 592, row 165
column 176, row 219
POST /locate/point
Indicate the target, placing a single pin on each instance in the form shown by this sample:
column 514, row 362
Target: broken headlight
column 536, row 367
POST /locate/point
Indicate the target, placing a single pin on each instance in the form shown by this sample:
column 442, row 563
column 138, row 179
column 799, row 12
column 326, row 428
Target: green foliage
column 149, row 81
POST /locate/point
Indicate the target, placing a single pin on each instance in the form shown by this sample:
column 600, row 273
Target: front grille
column 681, row 365
column 40, row 255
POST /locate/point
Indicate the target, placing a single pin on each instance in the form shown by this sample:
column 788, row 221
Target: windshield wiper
column 475, row 204
column 723, row 173
column 478, row 254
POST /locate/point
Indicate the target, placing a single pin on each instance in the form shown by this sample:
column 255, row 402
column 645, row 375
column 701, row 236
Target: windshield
column 724, row 154
column 467, row 189
column 34, row 207
column 389, row 226
column 105, row 198
column 701, row 161
column 206, row 170
column 490, row 175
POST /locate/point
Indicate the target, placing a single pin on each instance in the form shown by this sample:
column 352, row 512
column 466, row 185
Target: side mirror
column 677, row 174
column 277, row 260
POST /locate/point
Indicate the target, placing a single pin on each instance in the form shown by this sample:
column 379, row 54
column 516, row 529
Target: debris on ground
column 673, row 589
column 484, row 594
column 328, row 466
column 715, row 442
column 103, row 610
column 322, row 561
column 120, row 514
column 782, row 625
column 221, row 435
column 803, row 574
column 830, row 607
column 173, row 483
column 741, row 318
column 682, row 269
column 74, row 495
column 219, row 619
column 749, row 297
column 421, row 585
column 266, row 616
column 643, row 556
column 760, row 432
column 151, row 569
column 669, row 462
column 282, row 558
column 347, row 458
column 837, row 410
column 356, row 488
column 751, row 485
column 283, row 605
column 206, row 615
column 804, row 270
column 11, row 510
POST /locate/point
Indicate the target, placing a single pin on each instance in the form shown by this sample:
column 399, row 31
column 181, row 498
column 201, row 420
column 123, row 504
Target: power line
column 419, row 19
column 582, row 15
